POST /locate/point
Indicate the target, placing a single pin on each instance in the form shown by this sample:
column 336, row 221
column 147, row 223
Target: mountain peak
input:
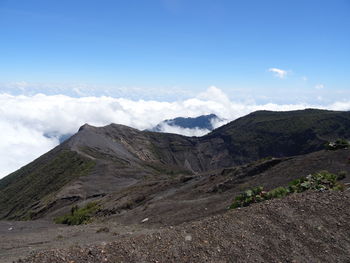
column 86, row 126
column 203, row 122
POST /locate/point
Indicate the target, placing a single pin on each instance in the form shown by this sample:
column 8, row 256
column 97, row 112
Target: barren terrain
column 307, row 227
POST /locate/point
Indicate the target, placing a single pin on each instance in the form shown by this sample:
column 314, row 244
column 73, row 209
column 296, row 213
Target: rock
column 188, row 238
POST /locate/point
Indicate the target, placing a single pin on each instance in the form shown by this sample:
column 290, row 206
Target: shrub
column 78, row 215
column 339, row 187
column 278, row 192
column 341, row 175
column 320, row 181
column 338, row 144
column 254, row 195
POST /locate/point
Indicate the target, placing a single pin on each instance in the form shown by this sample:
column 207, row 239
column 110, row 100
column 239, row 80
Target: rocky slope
column 307, row 227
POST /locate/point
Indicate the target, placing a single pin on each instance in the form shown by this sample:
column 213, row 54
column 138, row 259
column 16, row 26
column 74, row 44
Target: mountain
column 200, row 122
column 135, row 174
column 277, row 134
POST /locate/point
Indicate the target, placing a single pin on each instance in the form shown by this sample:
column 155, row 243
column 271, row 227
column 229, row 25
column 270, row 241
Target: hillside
column 277, row 134
column 308, row 227
column 117, row 162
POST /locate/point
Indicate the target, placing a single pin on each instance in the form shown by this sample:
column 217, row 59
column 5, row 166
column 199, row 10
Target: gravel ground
column 307, row 227
column 20, row 238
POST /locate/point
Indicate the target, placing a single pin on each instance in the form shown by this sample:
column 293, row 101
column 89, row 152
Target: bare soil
column 307, row 227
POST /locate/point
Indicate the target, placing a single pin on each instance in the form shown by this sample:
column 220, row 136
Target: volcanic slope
column 306, row 227
column 108, row 162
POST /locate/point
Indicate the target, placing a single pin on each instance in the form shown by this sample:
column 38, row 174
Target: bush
column 78, row 215
column 338, row 144
column 341, row 175
column 320, row 181
column 278, row 192
column 254, row 195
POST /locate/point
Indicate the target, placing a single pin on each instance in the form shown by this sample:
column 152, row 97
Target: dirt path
column 307, row 227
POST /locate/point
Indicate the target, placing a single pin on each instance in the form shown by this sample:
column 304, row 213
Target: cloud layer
column 24, row 120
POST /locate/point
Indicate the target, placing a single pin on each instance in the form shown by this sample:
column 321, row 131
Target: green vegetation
column 320, row 181
column 22, row 193
column 338, row 144
column 78, row 215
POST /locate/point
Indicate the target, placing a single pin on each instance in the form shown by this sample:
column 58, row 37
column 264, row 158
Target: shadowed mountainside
column 278, row 134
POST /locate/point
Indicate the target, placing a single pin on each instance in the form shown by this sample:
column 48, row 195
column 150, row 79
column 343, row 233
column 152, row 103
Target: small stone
column 188, row 238
column 144, row 220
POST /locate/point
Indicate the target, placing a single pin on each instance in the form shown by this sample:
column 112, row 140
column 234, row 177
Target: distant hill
column 200, row 122
column 116, row 160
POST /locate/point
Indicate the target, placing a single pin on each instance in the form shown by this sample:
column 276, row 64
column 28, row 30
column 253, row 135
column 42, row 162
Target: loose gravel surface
column 307, row 227
column 20, row 238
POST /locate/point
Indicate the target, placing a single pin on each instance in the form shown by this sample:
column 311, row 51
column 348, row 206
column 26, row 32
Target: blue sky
column 140, row 49
column 137, row 62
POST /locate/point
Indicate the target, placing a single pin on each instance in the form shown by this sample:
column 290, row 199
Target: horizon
column 138, row 63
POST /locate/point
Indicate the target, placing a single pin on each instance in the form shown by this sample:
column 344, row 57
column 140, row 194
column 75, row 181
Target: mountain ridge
column 203, row 122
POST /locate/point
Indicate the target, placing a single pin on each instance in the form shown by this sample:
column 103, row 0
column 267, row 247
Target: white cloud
column 216, row 123
column 341, row 105
column 25, row 119
column 19, row 145
column 319, row 86
column 279, row 73
column 81, row 89
column 183, row 131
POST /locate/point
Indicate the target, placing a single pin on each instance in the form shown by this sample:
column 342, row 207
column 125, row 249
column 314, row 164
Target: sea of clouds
column 25, row 121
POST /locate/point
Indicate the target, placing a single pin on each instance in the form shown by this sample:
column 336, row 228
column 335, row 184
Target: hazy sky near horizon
column 266, row 50
column 66, row 63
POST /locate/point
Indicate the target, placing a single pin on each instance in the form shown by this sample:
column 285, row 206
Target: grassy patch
column 23, row 190
column 320, row 181
column 78, row 215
